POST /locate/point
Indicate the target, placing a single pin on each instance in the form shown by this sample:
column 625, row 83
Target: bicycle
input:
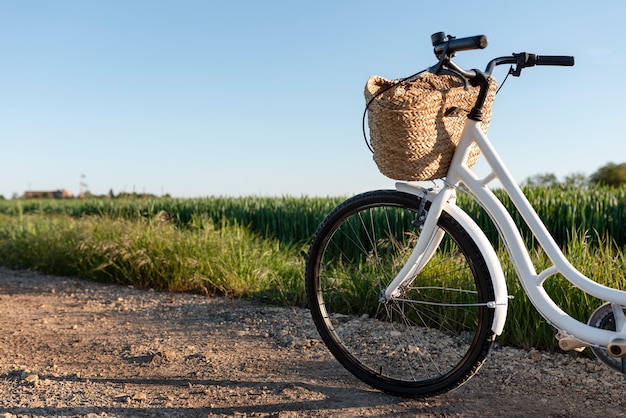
column 405, row 289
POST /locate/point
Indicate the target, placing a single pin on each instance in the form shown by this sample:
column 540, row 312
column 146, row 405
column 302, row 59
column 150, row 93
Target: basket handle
column 378, row 93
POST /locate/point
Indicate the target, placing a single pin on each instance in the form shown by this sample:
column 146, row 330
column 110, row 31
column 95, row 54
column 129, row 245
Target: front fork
column 428, row 241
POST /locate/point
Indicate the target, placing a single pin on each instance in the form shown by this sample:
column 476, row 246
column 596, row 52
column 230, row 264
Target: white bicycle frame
column 573, row 333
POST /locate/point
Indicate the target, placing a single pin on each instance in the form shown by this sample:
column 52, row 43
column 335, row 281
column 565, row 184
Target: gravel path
column 75, row 348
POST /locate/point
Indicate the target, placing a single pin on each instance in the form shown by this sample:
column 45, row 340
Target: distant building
column 56, row 194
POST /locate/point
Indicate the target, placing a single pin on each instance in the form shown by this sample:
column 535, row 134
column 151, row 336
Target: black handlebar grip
column 561, row 60
column 460, row 44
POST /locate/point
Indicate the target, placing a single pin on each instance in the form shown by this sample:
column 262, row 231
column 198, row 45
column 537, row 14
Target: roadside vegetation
column 255, row 247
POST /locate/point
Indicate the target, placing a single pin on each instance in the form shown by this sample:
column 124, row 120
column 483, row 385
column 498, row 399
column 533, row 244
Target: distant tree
column 611, row 174
column 542, row 180
column 576, row 180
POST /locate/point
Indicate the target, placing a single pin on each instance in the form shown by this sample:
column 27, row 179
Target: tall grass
column 255, row 246
column 154, row 253
column 603, row 262
column 288, row 219
column 294, row 219
column 600, row 210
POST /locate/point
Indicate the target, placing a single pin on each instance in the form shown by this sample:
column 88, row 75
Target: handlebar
column 450, row 44
column 565, row 61
column 445, row 48
column 525, row 60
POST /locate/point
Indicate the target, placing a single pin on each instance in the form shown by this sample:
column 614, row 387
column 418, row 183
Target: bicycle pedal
column 567, row 343
column 617, row 347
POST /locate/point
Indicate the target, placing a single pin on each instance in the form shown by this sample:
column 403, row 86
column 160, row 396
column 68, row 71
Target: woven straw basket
column 416, row 125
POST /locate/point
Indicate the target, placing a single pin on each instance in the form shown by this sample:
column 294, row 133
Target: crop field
column 256, row 246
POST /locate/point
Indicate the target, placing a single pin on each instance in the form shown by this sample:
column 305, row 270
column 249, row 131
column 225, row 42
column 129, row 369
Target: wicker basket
column 416, row 125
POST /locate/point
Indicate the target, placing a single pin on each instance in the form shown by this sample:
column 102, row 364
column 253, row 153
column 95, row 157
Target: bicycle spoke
column 431, row 337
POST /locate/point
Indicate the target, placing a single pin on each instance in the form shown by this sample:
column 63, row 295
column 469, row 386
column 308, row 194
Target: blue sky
column 200, row 98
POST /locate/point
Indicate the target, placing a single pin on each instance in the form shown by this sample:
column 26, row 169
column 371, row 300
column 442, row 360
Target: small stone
column 31, row 379
column 140, row 397
column 534, row 355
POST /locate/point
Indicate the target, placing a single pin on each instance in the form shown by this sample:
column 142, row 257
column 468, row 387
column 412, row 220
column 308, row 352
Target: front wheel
column 429, row 340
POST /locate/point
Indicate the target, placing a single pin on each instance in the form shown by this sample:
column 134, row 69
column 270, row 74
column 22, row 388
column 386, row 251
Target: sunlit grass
column 152, row 253
column 603, row 262
column 255, row 247
column 294, row 219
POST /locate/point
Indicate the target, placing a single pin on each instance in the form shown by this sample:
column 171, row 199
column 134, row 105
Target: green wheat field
column 256, row 246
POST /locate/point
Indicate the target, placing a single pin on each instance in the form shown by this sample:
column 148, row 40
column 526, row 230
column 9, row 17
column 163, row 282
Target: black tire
column 604, row 318
column 409, row 346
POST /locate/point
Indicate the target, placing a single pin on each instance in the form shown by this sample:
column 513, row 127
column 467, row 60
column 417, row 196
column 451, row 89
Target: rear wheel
column 432, row 338
column 604, row 318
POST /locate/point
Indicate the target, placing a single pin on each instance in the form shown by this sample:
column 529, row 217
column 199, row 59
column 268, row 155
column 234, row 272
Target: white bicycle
column 406, row 290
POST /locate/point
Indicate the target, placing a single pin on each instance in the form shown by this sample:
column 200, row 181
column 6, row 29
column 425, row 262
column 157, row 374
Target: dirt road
column 76, row 348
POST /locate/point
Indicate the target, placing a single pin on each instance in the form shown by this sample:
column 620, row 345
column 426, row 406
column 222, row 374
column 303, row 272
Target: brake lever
column 524, row 60
column 515, row 72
